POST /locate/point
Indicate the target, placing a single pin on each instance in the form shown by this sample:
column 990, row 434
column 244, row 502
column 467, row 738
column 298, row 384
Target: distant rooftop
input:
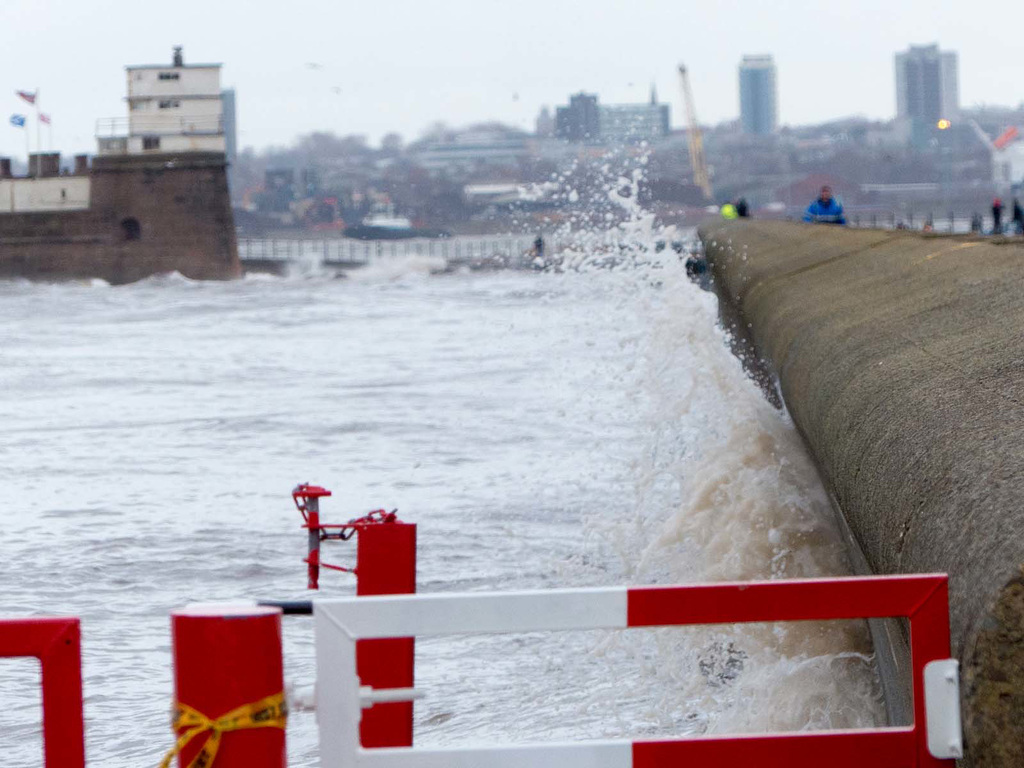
column 177, row 62
column 171, row 66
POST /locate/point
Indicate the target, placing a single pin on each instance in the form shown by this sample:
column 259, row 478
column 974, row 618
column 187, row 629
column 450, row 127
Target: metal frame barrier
column 56, row 642
column 931, row 741
column 385, row 565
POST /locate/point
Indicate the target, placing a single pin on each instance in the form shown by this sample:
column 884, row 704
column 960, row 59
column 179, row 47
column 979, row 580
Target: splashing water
column 613, row 230
column 725, row 491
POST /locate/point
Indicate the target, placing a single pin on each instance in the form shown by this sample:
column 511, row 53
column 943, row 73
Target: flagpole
column 39, row 141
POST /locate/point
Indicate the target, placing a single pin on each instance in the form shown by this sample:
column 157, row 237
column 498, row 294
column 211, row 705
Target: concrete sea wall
column 901, row 359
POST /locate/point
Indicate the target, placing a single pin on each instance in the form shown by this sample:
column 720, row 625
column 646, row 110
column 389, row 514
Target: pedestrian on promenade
column 825, row 210
column 976, row 224
column 1018, row 217
column 997, row 216
column 729, row 212
column 742, row 209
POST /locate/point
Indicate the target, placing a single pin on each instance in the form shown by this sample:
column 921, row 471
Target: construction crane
column 697, row 161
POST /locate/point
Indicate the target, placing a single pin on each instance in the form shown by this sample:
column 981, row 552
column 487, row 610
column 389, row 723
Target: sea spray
column 725, row 491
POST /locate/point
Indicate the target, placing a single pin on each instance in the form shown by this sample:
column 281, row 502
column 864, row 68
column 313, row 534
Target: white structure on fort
column 31, row 195
column 175, row 108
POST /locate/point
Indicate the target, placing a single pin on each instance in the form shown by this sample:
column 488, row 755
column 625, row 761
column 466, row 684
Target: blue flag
column 18, row 121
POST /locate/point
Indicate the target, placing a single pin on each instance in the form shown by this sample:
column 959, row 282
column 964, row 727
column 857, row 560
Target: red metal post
column 313, row 521
column 386, row 565
column 57, row 645
column 929, row 641
column 307, row 499
column 225, row 657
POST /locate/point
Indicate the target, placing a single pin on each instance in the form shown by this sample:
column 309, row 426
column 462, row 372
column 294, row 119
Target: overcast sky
column 384, row 65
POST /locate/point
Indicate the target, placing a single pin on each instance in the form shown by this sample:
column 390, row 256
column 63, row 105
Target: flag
column 44, row 118
column 28, row 96
column 18, row 121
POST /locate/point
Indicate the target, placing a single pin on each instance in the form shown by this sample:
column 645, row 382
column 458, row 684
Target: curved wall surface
column 901, row 359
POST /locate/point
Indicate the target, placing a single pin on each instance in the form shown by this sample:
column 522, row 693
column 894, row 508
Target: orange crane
column 701, row 178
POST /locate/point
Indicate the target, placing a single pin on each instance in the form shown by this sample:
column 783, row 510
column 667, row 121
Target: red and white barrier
column 57, row 645
column 930, row 742
column 385, row 565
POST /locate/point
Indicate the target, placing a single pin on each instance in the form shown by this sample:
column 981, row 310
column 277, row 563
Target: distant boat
column 385, row 225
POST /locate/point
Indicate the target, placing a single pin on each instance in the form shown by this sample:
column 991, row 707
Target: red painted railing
column 56, row 643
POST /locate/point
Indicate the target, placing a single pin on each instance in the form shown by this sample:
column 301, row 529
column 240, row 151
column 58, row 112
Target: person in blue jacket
column 825, row 210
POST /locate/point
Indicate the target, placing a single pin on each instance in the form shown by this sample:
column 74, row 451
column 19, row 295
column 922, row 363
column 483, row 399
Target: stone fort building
column 154, row 198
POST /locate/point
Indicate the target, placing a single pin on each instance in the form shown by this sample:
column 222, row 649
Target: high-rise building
column 580, row 121
column 926, row 84
column 758, row 95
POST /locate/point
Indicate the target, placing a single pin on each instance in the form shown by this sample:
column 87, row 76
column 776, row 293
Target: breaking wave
column 725, row 491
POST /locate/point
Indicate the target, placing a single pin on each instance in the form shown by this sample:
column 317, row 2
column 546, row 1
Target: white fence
column 337, row 251
column 929, row 742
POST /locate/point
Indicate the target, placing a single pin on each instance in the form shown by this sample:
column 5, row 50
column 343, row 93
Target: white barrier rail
column 930, row 742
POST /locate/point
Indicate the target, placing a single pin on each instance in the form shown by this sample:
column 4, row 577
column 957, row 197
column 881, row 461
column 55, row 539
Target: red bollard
column 227, row 657
column 386, row 565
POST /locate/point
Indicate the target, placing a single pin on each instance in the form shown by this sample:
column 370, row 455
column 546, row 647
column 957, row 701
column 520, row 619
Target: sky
column 377, row 66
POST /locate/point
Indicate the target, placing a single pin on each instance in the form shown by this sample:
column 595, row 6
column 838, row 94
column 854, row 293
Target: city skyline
column 463, row 63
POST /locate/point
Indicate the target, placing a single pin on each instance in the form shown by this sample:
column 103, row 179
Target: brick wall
column 151, row 214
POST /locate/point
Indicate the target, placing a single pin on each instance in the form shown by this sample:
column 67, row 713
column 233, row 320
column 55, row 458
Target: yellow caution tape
column 270, row 712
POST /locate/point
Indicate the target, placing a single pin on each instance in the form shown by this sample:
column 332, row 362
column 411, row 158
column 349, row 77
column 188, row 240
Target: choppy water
column 543, row 430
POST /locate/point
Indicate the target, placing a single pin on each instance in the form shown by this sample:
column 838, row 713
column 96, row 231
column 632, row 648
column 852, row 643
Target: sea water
column 570, row 428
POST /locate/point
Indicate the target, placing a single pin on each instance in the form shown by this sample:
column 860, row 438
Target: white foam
column 391, row 269
column 726, row 491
